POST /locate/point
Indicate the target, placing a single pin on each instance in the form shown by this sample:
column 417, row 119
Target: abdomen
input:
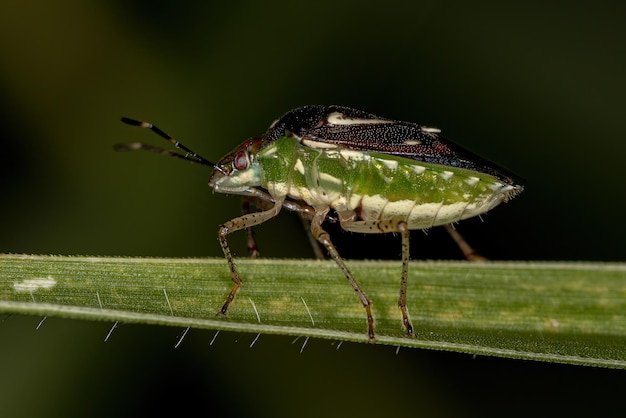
column 363, row 186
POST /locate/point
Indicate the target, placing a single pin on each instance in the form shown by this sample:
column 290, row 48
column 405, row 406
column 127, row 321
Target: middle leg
column 322, row 236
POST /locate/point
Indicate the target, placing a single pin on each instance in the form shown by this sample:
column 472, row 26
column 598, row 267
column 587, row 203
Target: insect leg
column 315, row 245
column 322, row 236
column 406, row 320
column 258, row 195
column 384, row 227
column 467, row 249
column 242, row 222
column 263, row 200
column 246, row 203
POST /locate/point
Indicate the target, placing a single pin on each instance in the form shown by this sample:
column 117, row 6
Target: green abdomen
column 377, row 187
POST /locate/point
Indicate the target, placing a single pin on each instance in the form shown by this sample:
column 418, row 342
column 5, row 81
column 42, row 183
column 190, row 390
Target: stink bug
column 377, row 175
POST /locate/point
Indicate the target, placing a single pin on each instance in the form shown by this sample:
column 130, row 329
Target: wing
column 328, row 126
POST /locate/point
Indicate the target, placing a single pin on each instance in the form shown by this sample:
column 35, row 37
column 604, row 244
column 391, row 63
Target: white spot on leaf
column 30, row 285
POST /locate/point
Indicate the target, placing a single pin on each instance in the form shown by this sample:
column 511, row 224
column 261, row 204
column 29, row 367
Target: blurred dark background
column 536, row 87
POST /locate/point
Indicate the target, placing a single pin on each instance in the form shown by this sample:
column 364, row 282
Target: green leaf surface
column 558, row 312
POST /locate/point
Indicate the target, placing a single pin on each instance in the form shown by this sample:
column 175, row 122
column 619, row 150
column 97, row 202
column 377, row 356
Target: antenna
column 189, row 154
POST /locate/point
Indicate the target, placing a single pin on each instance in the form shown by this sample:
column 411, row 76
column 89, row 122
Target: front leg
column 246, row 207
column 245, row 221
column 263, row 200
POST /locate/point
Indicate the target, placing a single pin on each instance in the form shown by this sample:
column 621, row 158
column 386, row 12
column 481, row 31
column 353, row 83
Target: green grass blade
column 558, row 312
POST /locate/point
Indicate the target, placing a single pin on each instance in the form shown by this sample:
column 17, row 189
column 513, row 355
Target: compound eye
column 241, row 162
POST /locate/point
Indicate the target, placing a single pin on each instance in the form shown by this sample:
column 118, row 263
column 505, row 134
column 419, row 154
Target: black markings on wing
column 404, row 139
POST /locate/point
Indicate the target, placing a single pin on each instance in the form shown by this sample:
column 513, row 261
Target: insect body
column 377, row 175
